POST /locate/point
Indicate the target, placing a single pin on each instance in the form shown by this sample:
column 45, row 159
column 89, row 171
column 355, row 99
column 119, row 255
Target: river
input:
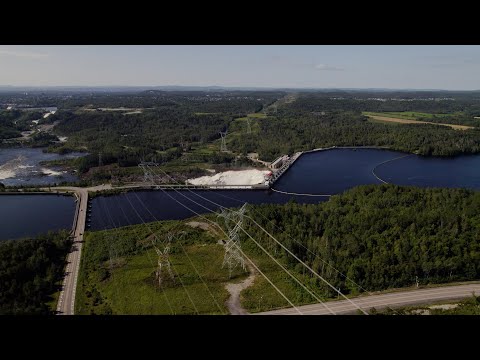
column 21, row 166
column 324, row 172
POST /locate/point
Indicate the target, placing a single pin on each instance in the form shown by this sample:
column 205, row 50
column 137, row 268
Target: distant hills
column 109, row 89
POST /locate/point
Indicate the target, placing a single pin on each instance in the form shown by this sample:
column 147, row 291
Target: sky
column 295, row 66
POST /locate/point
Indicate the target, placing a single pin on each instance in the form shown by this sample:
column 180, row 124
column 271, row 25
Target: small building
column 277, row 164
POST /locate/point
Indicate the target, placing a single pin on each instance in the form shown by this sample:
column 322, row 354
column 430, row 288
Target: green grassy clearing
column 409, row 115
column 257, row 115
column 127, row 285
column 372, row 120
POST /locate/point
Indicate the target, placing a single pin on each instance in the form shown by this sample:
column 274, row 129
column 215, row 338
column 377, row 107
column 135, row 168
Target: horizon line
column 231, row 87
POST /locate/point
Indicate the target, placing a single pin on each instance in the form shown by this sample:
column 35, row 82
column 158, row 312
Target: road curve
column 381, row 301
column 66, row 300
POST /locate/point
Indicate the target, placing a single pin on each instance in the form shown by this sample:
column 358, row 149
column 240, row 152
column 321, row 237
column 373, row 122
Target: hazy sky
column 341, row 66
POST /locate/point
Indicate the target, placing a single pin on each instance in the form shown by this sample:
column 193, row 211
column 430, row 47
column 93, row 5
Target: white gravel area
column 241, row 177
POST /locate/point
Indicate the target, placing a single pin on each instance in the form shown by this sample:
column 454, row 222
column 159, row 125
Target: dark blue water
column 458, row 172
column 146, row 206
column 21, row 166
column 325, row 172
column 29, row 215
column 333, row 171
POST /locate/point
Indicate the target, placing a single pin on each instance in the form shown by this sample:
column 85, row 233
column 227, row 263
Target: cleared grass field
column 258, row 115
column 389, row 119
column 132, row 288
column 409, row 115
column 118, row 283
column 117, row 274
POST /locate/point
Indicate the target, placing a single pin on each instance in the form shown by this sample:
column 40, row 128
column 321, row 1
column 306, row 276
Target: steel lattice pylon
column 147, row 173
column 163, row 260
column 223, row 146
column 249, row 128
column 233, row 256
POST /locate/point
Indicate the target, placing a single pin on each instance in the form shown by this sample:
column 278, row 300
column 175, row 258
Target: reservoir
column 318, row 173
column 29, row 215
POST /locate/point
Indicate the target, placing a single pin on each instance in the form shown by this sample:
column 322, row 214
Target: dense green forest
column 181, row 128
column 226, row 102
column 380, row 236
column 12, row 122
column 435, row 103
column 284, row 135
column 30, row 270
column 153, row 130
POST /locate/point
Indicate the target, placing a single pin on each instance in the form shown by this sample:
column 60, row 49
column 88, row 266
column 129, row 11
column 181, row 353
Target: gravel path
column 233, row 302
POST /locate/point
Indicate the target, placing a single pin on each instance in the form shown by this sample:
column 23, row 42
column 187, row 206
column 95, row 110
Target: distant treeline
column 379, row 236
column 12, row 122
column 30, row 270
column 469, row 103
column 290, row 131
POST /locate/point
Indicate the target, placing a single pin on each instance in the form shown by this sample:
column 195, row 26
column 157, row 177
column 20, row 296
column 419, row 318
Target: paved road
column 66, row 301
column 394, row 299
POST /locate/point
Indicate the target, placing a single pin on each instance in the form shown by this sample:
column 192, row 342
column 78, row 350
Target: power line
column 188, row 257
column 179, row 277
column 263, row 249
column 242, row 253
column 232, row 256
column 286, row 249
column 308, row 267
column 163, row 261
column 299, row 243
column 148, row 253
column 314, row 295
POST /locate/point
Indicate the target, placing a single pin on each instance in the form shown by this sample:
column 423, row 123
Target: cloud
column 23, row 54
column 449, row 61
column 327, row 67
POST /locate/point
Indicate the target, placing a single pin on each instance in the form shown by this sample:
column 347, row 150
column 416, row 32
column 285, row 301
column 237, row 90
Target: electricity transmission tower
column 163, row 261
column 147, row 173
column 113, row 256
column 249, row 128
column 233, row 256
column 223, row 146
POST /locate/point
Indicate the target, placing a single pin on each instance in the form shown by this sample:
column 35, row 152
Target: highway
column 381, row 301
column 66, row 300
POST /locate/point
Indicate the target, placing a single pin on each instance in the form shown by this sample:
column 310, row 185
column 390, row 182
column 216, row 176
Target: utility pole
column 100, row 163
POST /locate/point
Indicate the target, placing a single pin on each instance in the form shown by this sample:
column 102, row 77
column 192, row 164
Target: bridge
column 66, row 300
